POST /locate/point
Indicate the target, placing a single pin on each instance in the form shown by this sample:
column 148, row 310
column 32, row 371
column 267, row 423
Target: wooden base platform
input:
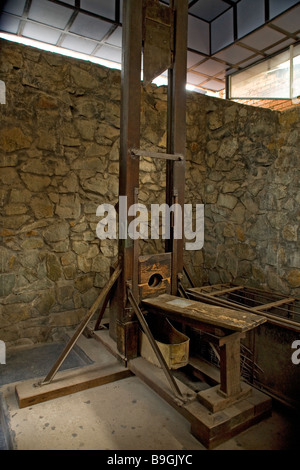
column 214, row 428
column 210, row 428
column 210, row 424
column 67, row 382
column 214, row 399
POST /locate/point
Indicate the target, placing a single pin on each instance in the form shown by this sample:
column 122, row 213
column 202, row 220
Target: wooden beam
column 274, row 304
column 155, row 378
column 83, row 324
column 211, row 429
column 230, row 365
column 198, row 294
column 203, row 368
column 176, row 132
column 68, row 382
column 121, row 315
column 226, row 291
column 187, row 311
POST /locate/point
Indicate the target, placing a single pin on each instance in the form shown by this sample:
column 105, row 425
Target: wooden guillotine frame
column 162, row 31
column 216, row 414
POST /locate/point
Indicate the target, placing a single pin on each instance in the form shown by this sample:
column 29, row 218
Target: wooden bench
column 226, row 328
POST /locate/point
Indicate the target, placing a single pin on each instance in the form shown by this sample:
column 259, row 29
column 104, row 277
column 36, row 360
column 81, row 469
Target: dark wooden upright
column 121, row 326
column 144, row 22
column 176, row 138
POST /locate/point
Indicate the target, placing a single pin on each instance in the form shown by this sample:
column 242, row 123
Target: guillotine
column 162, row 32
column 153, row 284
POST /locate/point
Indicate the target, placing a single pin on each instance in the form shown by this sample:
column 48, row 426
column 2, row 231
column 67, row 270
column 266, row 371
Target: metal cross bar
column 166, row 156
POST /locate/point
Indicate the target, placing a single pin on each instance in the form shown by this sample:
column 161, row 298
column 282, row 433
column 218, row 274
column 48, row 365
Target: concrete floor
column 123, row 415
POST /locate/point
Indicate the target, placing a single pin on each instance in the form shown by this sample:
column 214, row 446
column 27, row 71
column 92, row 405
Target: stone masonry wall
column 246, row 167
column 59, row 151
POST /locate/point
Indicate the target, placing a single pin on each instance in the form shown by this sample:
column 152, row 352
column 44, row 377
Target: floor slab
column 123, row 415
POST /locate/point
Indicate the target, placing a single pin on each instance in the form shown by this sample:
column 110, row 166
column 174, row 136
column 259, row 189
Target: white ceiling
column 223, row 35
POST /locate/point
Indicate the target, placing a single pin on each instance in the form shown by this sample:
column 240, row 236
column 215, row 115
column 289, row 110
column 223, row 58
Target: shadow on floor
column 28, row 363
column 25, row 364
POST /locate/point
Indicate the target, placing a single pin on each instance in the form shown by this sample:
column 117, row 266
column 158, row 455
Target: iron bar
column 166, row 156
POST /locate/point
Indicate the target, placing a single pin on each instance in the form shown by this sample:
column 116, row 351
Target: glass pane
column 267, row 80
column 279, row 6
column 250, row 15
column 296, row 72
column 198, row 35
column 222, row 31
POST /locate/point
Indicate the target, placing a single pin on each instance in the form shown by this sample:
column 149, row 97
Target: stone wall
column 247, row 170
column 59, row 149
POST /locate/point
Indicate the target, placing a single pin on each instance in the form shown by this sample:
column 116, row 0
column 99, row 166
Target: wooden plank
column 274, row 304
column 230, row 368
column 214, row 401
column 214, row 428
column 156, row 379
column 176, row 131
column 204, row 368
column 184, row 310
column 189, row 275
column 67, row 382
column 83, row 324
column 130, row 120
column 104, row 337
column 152, row 264
column 154, row 274
column 208, row 289
column 198, row 293
column 211, row 429
column 226, row 291
column 161, row 288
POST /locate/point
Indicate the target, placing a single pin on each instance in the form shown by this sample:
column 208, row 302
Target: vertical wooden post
column 230, row 365
column 123, row 328
column 121, row 312
column 176, row 126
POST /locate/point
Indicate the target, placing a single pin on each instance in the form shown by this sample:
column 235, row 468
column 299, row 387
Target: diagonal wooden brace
column 104, row 293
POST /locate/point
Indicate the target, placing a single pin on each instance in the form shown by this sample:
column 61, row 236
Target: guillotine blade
column 157, row 39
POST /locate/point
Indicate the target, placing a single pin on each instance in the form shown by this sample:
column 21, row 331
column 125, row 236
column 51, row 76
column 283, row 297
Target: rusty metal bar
column 166, row 156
